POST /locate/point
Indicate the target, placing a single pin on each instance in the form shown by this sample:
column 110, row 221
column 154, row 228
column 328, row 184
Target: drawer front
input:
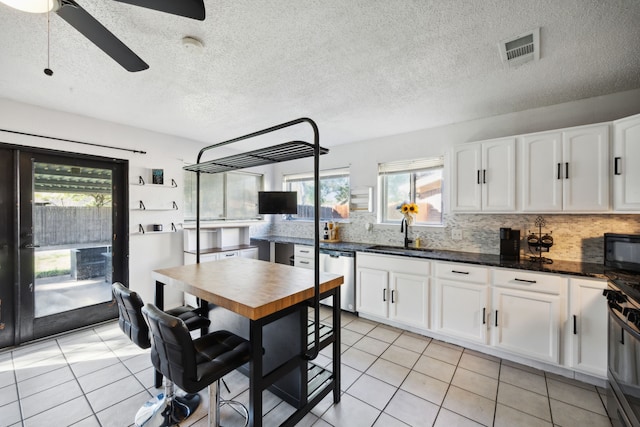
column 230, row 254
column 394, row 263
column 303, row 262
column 524, row 280
column 303, row 251
column 462, row 272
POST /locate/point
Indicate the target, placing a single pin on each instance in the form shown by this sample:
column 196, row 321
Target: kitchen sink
column 398, row 249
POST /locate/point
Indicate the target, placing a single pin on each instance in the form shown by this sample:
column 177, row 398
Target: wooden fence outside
column 59, row 225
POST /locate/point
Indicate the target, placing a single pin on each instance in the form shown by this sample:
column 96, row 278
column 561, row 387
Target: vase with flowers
column 408, row 211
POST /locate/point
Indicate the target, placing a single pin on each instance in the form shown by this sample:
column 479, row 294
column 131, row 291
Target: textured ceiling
column 360, row 68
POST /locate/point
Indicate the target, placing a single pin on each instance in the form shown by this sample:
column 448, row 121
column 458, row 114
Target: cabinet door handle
column 392, row 297
column 575, row 325
column 304, row 262
column 459, row 272
column 524, row 280
column 616, row 165
column 484, row 315
column 566, row 170
column 478, row 176
column 384, row 295
column 304, row 252
column 484, row 176
column 559, row 170
column 496, row 318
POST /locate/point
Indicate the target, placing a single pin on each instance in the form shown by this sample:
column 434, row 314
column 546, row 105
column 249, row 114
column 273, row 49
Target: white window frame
column 408, row 166
column 324, row 174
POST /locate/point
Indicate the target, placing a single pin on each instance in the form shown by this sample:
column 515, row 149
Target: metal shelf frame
column 287, row 151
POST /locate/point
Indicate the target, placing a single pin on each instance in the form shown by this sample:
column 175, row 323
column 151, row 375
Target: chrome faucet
column 404, row 227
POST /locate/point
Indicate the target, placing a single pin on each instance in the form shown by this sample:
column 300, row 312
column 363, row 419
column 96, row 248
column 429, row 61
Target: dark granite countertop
column 558, row 267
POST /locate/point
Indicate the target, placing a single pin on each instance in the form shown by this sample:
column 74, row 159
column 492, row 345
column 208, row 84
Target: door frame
column 25, row 326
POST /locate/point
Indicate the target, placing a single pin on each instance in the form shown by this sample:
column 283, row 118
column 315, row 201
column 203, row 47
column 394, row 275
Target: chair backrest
column 172, row 350
column 130, row 316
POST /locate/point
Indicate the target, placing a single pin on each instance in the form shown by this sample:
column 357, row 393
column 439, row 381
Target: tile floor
column 96, row 377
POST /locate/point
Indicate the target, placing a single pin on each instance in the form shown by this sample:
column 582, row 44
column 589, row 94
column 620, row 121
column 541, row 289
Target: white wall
column 167, row 152
column 576, row 232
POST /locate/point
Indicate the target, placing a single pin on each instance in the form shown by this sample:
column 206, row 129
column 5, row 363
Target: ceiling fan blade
column 89, row 27
column 187, row 8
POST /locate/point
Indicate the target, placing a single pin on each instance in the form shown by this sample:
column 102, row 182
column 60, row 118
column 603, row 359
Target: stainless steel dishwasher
column 342, row 263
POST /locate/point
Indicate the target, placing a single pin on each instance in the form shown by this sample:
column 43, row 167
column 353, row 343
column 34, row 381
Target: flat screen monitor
column 277, row 202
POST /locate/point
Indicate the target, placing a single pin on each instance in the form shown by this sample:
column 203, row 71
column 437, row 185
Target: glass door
column 7, row 248
column 72, row 244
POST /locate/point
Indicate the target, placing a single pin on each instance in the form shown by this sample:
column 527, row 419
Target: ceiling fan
column 88, row 26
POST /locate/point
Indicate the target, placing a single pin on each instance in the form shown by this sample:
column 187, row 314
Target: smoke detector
column 521, row 49
column 192, row 44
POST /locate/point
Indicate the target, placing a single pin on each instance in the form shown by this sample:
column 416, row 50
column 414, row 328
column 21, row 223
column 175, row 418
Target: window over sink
column 416, row 181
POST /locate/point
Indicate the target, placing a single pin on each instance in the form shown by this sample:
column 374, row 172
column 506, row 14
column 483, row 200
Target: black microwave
column 622, row 251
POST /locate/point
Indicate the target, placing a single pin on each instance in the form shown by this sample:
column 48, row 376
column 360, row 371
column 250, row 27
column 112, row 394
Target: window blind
column 410, row 165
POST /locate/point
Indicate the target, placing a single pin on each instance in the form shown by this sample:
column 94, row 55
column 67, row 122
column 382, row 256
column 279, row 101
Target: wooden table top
column 248, row 287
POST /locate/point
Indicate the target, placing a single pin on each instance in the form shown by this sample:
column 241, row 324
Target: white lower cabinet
column 587, row 326
column 393, row 288
column 461, row 301
column 528, row 313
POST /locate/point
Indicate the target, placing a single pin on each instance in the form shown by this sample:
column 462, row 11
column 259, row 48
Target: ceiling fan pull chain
column 48, row 71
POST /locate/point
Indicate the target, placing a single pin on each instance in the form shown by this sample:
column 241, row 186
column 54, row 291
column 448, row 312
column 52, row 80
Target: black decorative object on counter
column 540, row 243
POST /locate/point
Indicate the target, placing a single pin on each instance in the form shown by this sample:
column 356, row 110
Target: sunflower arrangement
column 409, row 210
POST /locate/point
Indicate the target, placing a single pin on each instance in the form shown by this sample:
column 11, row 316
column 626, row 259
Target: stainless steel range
column 623, row 402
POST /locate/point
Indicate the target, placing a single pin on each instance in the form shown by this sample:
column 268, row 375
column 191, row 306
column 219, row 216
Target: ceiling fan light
column 33, row 6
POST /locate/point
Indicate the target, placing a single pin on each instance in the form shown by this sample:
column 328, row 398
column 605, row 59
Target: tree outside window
column 334, row 195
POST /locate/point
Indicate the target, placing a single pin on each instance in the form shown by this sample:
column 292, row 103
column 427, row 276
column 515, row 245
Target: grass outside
column 52, row 263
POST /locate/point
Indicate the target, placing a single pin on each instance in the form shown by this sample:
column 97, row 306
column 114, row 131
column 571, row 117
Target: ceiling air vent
column 521, row 49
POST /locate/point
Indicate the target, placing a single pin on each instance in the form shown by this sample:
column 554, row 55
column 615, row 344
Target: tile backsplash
column 576, row 237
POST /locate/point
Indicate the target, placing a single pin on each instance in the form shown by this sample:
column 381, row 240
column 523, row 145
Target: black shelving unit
column 319, row 380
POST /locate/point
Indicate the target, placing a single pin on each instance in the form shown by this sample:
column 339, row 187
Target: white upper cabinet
column 626, row 164
column 484, row 176
column 565, row 170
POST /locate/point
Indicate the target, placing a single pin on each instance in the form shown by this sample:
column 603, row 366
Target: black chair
column 194, row 364
column 132, row 323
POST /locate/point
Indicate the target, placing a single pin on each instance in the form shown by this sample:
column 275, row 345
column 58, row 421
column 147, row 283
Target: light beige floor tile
column 358, row 359
column 524, row 379
column 386, row 420
column 124, row 413
column 469, row 405
column 442, row 352
column 42, row 382
column 522, row 367
column 373, row 391
column 371, row 345
column 567, row 380
column 351, row 412
column 49, row 398
column 447, row 418
column 348, row 376
column 475, row 383
column 8, row 394
column 412, row 342
column 411, row 409
column 90, row 421
column 401, row 356
column 65, row 414
column 426, row 387
column 114, row 393
column 388, row 372
column 349, row 337
column 509, row 417
column 576, row 396
column 39, row 367
column 483, row 355
column 361, row 326
column 524, row 401
column 98, row 379
column 565, row 415
column 385, row 333
column 480, row 365
column 435, row 368
column 10, row 413
column 95, row 362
